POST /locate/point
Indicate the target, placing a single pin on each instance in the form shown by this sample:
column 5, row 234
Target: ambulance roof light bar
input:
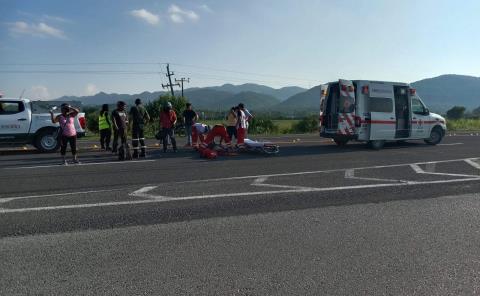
column 413, row 91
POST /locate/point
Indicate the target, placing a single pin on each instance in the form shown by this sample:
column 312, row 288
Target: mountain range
column 439, row 93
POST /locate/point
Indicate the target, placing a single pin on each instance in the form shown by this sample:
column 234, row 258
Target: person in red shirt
column 168, row 119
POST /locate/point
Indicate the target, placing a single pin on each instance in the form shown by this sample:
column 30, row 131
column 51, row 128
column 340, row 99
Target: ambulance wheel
column 436, row 136
column 340, row 142
column 376, row 144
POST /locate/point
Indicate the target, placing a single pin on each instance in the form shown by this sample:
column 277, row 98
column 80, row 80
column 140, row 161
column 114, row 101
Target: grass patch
column 463, row 124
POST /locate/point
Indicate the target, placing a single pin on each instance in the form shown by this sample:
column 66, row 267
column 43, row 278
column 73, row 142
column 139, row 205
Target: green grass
column 463, row 125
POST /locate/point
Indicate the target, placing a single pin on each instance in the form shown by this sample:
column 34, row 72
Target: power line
column 241, row 72
column 159, row 63
column 170, row 84
column 182, row 81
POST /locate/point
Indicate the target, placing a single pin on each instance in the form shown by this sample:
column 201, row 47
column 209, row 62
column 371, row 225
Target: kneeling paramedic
column 199, row 131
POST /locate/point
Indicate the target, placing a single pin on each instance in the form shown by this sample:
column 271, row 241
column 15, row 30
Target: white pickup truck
column 27, row 122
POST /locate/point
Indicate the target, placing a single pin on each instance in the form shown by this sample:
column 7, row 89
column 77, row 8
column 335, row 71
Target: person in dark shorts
column 138, row 117
column 120, row 123
column 231, row 119
column 68, row 132
column 189, row 119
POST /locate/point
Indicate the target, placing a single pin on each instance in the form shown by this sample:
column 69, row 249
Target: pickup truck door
column 14, row 121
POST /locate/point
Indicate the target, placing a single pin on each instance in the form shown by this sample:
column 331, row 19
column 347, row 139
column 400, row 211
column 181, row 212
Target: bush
column 456, row 112
column 306, row 125
column 262, row 125
column 92, row 120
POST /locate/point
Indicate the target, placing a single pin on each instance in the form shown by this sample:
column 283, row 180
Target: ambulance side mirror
column 426, row 112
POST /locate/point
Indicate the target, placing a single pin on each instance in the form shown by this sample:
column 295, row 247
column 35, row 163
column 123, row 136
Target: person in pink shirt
column 68, row 133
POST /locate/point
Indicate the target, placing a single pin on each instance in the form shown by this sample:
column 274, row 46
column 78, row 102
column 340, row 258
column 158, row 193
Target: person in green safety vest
column 105, row 128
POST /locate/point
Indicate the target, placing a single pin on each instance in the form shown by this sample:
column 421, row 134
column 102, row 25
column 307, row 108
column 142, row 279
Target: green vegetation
column 456, row 112
column 464, row 124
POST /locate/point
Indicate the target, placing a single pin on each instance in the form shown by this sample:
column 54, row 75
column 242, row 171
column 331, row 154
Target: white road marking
column 450, row 144
column 473, row 163
column 82, row 164
column 142, row 192
column 318, row 172
column 164, row 199
column 8, row 199
column 350, row 174
column 419, row 170
column 259, row 179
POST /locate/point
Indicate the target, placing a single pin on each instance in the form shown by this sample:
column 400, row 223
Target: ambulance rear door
column 346, row 108
column 382, row 111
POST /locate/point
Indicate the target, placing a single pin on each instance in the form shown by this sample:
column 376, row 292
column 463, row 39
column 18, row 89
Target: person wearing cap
column 67, row 129
column 168, row 119
column 138, row 117
column 120, row 124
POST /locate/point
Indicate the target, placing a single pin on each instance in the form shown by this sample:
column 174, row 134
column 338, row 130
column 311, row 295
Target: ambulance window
column 417, row 106
column 384, row 105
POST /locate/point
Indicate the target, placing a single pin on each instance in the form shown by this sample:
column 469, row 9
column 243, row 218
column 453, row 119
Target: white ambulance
column 375, row 112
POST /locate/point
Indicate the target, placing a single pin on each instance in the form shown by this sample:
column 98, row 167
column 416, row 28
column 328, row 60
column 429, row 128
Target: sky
column 52, row 48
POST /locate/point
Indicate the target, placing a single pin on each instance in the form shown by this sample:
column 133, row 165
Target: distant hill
column 305, row 101
column 280, row 93
column 448, row 90
column 439, row 93
column 252, row 100
column 207, row 98
column 104, row 98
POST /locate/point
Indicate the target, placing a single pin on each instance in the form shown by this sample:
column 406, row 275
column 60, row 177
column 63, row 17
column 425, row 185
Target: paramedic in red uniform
column 217, row 131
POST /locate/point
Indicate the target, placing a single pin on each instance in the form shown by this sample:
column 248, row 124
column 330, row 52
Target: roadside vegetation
column 458, row 119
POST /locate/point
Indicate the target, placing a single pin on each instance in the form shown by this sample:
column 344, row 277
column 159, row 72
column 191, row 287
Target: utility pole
column 169, row 75
column 182, row 80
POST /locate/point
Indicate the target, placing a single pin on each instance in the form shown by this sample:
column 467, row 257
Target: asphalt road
column 316, row 219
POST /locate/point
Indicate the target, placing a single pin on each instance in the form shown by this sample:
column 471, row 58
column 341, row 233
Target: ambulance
column 375, row 112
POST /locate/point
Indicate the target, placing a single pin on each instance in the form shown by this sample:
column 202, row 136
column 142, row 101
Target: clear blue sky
column 304, row 42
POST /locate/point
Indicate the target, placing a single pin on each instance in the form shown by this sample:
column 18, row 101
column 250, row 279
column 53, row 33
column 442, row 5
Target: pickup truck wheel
column 376, row 144
column 436, row 136
column 45, row 141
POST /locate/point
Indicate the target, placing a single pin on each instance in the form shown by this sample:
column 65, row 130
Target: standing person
column 241, row 127
column 120, row 123
column 232, row 123
column 189, row 119
column 67, row 129
column 168, row 119
column 105, row 128
column 248, row 115
column 139, row 116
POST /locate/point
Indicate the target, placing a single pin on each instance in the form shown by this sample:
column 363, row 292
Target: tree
column 154, row 107
column 476, row 112
column 456, row 112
